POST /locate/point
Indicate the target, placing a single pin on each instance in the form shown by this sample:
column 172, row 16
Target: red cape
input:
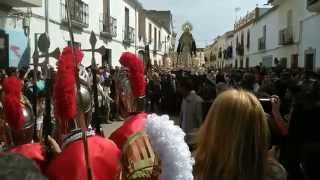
column 32, row 151
column 70, row 164
column 131, row 126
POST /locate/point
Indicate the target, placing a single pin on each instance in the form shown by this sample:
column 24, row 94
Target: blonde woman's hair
column 232, row 143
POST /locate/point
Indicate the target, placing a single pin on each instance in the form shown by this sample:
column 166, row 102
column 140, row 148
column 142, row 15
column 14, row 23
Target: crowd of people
column 231, row 124
column 290, row 98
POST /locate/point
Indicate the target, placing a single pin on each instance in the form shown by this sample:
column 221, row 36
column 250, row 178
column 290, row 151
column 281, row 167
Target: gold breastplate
column 139, row 161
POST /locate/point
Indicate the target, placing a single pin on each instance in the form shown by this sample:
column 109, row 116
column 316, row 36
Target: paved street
column 112, row 127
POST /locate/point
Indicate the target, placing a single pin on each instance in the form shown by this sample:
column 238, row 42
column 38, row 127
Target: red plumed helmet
column 136, row 73
column 12, row 87
column 64, row 89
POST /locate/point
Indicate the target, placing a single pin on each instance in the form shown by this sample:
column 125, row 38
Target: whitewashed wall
column 157, row 57
column 311, row 39
column 59, row 34
column 277, row 20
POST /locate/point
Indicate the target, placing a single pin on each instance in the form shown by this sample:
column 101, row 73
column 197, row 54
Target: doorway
column 107, row 58
column 309, row 62
column 310, row 56
column 294, row 61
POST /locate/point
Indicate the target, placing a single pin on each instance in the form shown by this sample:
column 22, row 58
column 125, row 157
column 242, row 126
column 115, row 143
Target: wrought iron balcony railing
column 240, row 49
column 129, row 35
column 286, row 36
column 108, row 26
column 21, row 3
column 262, row 43
column 79, row 13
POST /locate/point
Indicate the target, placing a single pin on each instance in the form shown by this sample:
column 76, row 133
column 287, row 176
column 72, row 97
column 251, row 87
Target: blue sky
column 209, row 18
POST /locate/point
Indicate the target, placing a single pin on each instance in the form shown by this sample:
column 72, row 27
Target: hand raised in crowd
column 282, row 126
column 276, row 103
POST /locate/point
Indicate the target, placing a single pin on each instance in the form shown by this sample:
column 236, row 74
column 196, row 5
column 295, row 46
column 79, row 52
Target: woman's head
column 232, row 143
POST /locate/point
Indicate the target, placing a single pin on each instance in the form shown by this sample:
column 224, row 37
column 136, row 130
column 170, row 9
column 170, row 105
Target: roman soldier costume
column 96, row 158
column 152, row 146
column 20, row 121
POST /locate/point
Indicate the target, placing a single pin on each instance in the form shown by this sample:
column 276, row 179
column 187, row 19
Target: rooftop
column 163, row 18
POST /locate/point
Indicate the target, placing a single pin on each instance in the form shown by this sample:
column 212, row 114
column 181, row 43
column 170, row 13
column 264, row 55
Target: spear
column 80, row 122
column 97, row 113
column 35, row 71
column 44, row 45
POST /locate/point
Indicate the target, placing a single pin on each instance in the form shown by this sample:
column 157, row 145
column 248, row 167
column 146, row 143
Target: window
column 283, row 62
column 155, row 38
column 264, row 31
column 126, row 24
column 159, row 40
column 150, row 33
column 248, row 39
column 294, row 61
column 79, row 12
column 309, row 62
column 310, row 58
column 106, row 58
column 242, row 39
column 85, row 13
column 106, row 16
column 289, row 18
column 247, row 62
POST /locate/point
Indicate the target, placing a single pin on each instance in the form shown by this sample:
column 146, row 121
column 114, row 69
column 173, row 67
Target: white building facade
column 287, row 35
column 275, row 37
column 114, row 22
column 199, row 59
column 117, row 33
column 157, row 34
column 309, row 47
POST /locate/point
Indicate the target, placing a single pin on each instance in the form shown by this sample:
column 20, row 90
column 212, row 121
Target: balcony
column 108, row 26
column 220, row 54
column 79, row 13
column 229, row 52
column 160, row 46
column 313, row 5
column 262, row 43
column 286, row 36
column 128, row 36
column 240, row 49
column 22, row 3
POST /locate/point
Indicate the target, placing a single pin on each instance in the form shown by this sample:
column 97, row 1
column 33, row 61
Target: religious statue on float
column 186, row 47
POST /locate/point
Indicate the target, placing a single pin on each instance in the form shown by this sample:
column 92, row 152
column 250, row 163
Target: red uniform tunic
column 131, row 126
column 70, row 164
column 32, row 151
